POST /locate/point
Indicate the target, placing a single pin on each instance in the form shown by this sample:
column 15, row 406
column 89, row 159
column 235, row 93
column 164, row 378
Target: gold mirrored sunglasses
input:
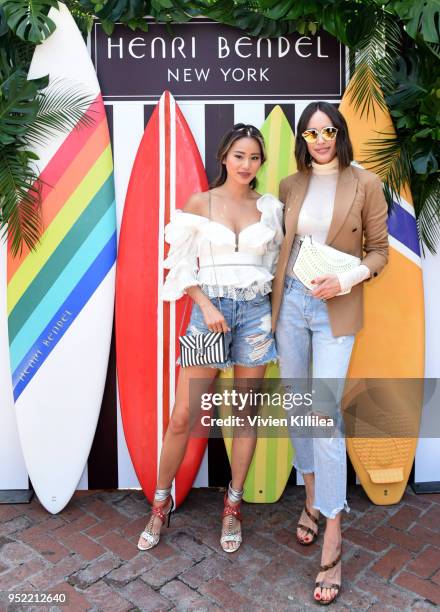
column 327, row 133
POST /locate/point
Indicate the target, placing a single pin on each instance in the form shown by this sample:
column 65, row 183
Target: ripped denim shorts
column 250, row 342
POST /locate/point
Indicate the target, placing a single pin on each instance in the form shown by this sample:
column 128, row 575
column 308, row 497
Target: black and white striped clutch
column 202, row 349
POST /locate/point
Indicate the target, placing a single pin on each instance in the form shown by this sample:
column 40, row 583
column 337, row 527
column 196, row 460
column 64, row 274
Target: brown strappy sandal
column 323, row 585
column 308, row 529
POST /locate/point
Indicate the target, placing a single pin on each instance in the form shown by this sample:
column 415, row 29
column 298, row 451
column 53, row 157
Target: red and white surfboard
column 166, row 171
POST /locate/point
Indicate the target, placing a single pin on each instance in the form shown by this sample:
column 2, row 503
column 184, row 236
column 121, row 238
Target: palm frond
column 375, row 60
column 388, row 157
column 390, row 49
column 20, row 199
column 429, row 215
column 62, row 107
column 364, row 90
column 434, row 48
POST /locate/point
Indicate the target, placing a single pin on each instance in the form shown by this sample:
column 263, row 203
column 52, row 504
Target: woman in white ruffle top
column 223, row 251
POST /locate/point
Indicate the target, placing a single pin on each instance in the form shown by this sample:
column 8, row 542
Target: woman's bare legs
column 243, row 448
column 177, row 435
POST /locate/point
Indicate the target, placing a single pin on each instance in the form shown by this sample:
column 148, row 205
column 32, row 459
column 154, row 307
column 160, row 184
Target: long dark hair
column 344, row 150
column 239, row 130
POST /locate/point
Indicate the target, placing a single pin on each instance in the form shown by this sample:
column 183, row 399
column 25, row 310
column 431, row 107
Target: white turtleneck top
column 316, row 215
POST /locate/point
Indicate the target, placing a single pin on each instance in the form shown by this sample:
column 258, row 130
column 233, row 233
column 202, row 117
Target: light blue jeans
column 309, row 353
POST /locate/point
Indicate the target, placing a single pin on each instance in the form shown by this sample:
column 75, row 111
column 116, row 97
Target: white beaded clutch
column 315, row 259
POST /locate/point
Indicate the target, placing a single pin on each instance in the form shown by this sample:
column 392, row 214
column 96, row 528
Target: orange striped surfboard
column 387, row 365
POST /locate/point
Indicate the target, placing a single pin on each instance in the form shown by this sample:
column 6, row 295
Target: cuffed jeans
column 304, row 339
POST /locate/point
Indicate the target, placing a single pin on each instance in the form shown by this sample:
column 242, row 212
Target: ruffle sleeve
column 272, row 216
column 182, row 233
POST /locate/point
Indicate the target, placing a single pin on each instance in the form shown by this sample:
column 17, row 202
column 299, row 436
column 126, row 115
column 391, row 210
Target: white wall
column 13, row 474
column 427, row 465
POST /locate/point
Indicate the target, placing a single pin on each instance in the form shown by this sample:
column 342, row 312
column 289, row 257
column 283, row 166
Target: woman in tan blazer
column 343, row 206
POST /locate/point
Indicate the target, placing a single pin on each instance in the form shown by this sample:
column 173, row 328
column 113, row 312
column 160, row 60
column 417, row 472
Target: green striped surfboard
column 272, row 461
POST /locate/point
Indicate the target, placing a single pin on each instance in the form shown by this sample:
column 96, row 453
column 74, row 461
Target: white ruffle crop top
column 209, row 254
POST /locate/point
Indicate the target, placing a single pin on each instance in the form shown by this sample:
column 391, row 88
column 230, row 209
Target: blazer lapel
column 345, row 194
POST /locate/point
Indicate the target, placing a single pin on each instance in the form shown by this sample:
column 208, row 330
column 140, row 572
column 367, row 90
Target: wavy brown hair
column 344, row 150
column 239, row 130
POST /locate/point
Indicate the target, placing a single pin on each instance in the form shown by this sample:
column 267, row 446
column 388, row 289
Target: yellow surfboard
column 272, row 461
column 383, row 415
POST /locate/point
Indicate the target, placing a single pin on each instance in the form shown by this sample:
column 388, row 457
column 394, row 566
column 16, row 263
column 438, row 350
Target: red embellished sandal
column 228, row 533
column 152, row 537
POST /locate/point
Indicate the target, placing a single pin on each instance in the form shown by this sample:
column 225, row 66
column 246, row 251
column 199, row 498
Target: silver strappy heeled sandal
column 229, row 534
column 152, row 537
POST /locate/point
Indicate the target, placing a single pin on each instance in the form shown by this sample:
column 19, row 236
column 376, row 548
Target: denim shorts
column 250, row 342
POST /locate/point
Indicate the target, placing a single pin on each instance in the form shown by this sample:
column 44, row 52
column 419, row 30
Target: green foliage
column 29, row 114
column 429, row 214
column 133, row 12
column 130, row 12
column 397, row 47
column 377, row 49
column 20, row 197
column 415, row 108
column 32, row 115
column 421, row 18
column 413, row 156
column 3, row 23
column 18, row 104
column 28, row 19
column 83, row 18
column 61, row 108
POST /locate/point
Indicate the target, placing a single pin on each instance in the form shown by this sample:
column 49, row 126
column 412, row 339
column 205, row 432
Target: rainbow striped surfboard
column 60, row 297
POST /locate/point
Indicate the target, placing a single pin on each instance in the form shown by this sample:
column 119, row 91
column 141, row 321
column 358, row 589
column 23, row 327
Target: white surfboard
column 61, row 296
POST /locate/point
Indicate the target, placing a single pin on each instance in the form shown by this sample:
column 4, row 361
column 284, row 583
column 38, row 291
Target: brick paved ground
column 391, row 555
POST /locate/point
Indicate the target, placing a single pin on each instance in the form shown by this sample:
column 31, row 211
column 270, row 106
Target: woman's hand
column 327, row 286
column 213, row 318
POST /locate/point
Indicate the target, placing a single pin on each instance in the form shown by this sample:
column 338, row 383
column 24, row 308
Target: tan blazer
column 358, row 227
